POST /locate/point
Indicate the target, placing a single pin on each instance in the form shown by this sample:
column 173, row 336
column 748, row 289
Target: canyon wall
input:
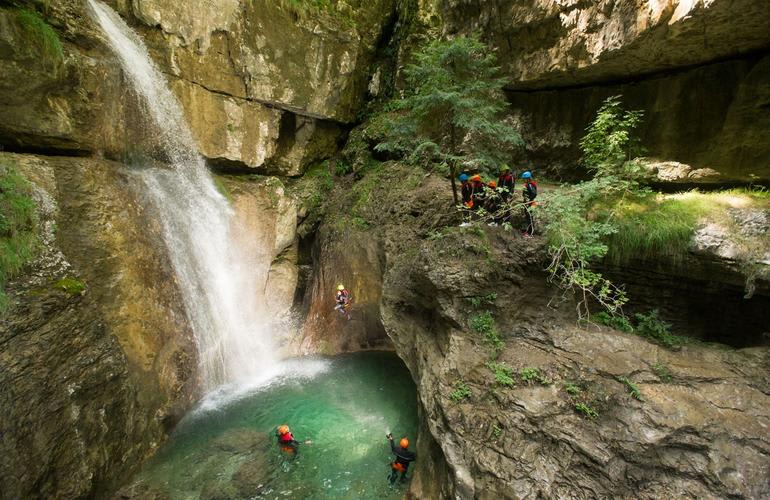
column 697, row 68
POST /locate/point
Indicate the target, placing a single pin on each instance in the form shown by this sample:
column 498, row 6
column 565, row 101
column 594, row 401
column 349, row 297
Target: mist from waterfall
column 222, row 288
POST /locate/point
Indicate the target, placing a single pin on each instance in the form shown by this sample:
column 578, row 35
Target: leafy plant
column 572, row 389
column 576, row 232
column 497, row 432
column 450, row 114
column 609, row 143
column 632, row 388
column 461, row 391
column 484, row 324
column 342, row 168
column 503, row 373
column 530, row 375
column 652, row 327
column 662, row 371
column 614, row 321
column 586, row 410
column 488, row 299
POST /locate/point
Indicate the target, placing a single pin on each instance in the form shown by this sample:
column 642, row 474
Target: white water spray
column 221, row 287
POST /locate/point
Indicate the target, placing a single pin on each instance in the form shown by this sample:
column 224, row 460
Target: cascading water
column 221, row 287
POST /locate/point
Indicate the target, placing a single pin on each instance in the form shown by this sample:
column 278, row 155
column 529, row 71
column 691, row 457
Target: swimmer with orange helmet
column 286, row 440
column 403, row 458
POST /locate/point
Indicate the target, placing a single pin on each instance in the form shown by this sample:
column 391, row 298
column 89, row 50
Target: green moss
column 222, row 188
column 43, row 35
column 18, row 222
column 72, row 286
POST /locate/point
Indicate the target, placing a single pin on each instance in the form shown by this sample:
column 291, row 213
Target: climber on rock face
column 343, row 301
column 403, row 458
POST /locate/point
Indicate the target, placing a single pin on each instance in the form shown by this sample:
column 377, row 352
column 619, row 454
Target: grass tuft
column 37, row 29
column 655, row 225
column 18, row 222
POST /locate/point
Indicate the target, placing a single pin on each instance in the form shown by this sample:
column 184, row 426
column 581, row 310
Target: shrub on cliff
column 450, row 111
column 578, row 232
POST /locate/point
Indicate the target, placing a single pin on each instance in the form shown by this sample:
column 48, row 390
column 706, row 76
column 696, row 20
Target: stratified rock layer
column 91, row 381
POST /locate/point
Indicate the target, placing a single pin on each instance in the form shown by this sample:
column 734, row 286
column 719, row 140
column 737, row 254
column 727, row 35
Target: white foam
column 281, row 373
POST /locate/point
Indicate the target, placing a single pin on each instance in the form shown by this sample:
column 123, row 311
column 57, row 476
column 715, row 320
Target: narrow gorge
column 184, row 187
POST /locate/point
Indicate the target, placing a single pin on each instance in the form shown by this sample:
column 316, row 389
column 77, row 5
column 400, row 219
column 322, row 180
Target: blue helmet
column 526, row 175
column 463, row 177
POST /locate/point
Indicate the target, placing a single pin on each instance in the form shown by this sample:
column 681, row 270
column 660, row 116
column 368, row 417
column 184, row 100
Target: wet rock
column 92, row 381
column 252, row 477
column 240, row 441
column 141, row 492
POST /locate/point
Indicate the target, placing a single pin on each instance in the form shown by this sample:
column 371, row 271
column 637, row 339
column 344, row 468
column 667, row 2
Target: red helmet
column 404, row 443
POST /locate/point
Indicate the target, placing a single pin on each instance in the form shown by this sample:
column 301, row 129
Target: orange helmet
column 404, row 443
column 492, row 184
column 283, row 429
column 476, row 177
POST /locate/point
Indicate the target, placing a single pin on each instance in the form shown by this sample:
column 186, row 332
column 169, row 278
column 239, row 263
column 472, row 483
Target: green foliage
column 342, row 168
column 488, row 299
column 609, row 141
column 484, row 324
column 497, row 432
column 461, row 391
column 576, row 232
column 572, row 389
column 617, row 322
column 18, row 222
column 662, row 371
column 633, row 390
column 503, row 373
column 531, row 375
column 450, row 113
column 72, row 286
column 586, row 410
column 652, row 327
column 44, row 36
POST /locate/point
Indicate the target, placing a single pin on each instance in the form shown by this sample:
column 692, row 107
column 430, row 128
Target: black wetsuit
column 506, row 183
column 403, row 458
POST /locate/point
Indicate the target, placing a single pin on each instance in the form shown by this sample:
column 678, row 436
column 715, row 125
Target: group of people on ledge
column 496, row 199
column 399, row 466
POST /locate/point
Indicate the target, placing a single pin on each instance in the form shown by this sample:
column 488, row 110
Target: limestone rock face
column 550, row 43
column 698, row 429
column 228, row 129
column 91, row 381
column 531, row 439
column 697, row 68
column 265, row 226
column 264, row 85
column 67, row 102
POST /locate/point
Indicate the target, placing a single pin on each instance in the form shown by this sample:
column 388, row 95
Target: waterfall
column 222, row 289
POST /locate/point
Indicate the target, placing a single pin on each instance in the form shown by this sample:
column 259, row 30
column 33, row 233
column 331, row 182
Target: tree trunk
column 453, row 174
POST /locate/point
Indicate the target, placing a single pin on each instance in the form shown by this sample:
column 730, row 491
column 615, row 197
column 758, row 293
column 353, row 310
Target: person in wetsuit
column 403, row 458
column 286, row 440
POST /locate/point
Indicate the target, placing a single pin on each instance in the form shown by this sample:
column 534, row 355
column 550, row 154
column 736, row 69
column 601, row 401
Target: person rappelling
column 403, row 458
column 343, row 300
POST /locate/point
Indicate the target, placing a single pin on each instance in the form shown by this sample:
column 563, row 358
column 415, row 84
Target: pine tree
column 450, row 112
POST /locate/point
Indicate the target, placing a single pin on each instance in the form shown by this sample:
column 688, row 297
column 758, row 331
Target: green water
column 345, row 405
